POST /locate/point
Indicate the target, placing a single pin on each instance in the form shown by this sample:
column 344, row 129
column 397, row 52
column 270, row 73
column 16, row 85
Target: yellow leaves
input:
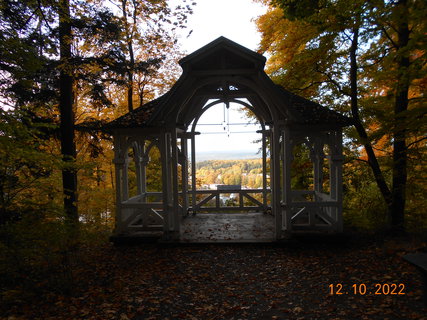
column 282, row 39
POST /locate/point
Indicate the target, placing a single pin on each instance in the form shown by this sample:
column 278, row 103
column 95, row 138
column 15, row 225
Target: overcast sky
column 229, row 18
column 232, row 19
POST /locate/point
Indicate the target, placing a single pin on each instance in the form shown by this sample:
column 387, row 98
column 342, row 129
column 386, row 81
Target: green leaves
column 298, row 9
column 25, row 166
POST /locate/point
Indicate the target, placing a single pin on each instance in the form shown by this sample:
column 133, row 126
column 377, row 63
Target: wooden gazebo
column 224, row 72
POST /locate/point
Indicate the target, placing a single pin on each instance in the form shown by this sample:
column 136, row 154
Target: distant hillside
column 226, row 155
column 244, row 172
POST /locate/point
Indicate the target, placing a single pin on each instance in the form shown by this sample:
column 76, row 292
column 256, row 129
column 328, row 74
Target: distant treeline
column 247, row 173
column 246, row 165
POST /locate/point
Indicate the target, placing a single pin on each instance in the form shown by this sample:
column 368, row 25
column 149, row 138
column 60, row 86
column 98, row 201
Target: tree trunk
column 399, row 131
column 364, row 139
column 131, row 58
column 68, row 148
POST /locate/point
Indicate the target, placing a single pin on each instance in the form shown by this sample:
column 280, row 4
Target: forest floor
column 292, row 280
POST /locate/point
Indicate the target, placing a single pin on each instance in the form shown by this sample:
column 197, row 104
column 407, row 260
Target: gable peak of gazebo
column 222, row 45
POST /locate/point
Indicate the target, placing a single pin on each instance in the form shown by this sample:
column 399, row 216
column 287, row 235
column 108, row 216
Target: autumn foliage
column 114, row 58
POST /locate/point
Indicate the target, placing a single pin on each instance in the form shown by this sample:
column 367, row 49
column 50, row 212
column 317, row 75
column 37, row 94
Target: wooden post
column 184, row 173
column 176, row 221
column 138, row 166
column 335, row 163
column 264, row 169
column 193, row 172
column 275, row 181
column 317, row 157
column 283, row 165
column 169, row 185
column 287, row 200
column 119, row 167
column 125, row 178
column 163, row 146
column 144, row 162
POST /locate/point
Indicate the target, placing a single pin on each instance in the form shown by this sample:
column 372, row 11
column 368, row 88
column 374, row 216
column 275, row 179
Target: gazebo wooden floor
column 224, row 227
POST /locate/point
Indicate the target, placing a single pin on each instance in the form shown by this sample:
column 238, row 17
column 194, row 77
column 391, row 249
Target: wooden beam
column 225, row 72
column 207, row 199
column 188, row 135
column 238, row 94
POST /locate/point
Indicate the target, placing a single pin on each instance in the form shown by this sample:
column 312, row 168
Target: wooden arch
column 219, row 101
column 224, row 72
column 208, row 89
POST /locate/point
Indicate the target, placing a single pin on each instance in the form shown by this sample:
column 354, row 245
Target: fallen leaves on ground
column 248, row 281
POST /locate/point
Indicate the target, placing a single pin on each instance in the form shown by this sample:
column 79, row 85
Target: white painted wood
column 275, row 182
column 264, row 169
column 193, row 173
column 169, row 185
column 165, row 180
column 138, row 166
column 125, row 179
column 144, row 163
column 118, row 165
column 176, row 213
column 336, row 177
column 287, row 200
column 184, row 173
column 317, row 157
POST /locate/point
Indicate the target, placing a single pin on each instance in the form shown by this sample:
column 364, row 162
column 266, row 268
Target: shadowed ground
column 235, row 281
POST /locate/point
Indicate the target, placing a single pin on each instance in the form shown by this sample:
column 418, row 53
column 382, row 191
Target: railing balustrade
column 212, row 202
column 308, row 209
column 312, row 210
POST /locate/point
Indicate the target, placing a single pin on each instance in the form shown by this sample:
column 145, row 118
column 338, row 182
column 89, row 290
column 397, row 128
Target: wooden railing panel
column 242, row 193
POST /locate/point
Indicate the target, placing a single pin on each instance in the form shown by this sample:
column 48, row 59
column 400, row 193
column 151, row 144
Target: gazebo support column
column 335, row 165
column 184, row 173
column 119, row 169
column 317, row 156
column 264, row 169
column 193, row 173
column 125, row 179
column 275, row 181
column 164, row 145
column 137, row 149
column 120, row 165
column 176, row 211
column 143, row 180
column 286, row 181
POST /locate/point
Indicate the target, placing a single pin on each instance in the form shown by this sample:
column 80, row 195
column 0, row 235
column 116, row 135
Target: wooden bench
column 419, row 260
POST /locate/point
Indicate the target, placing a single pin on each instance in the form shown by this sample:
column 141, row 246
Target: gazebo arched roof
column 225, row 70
